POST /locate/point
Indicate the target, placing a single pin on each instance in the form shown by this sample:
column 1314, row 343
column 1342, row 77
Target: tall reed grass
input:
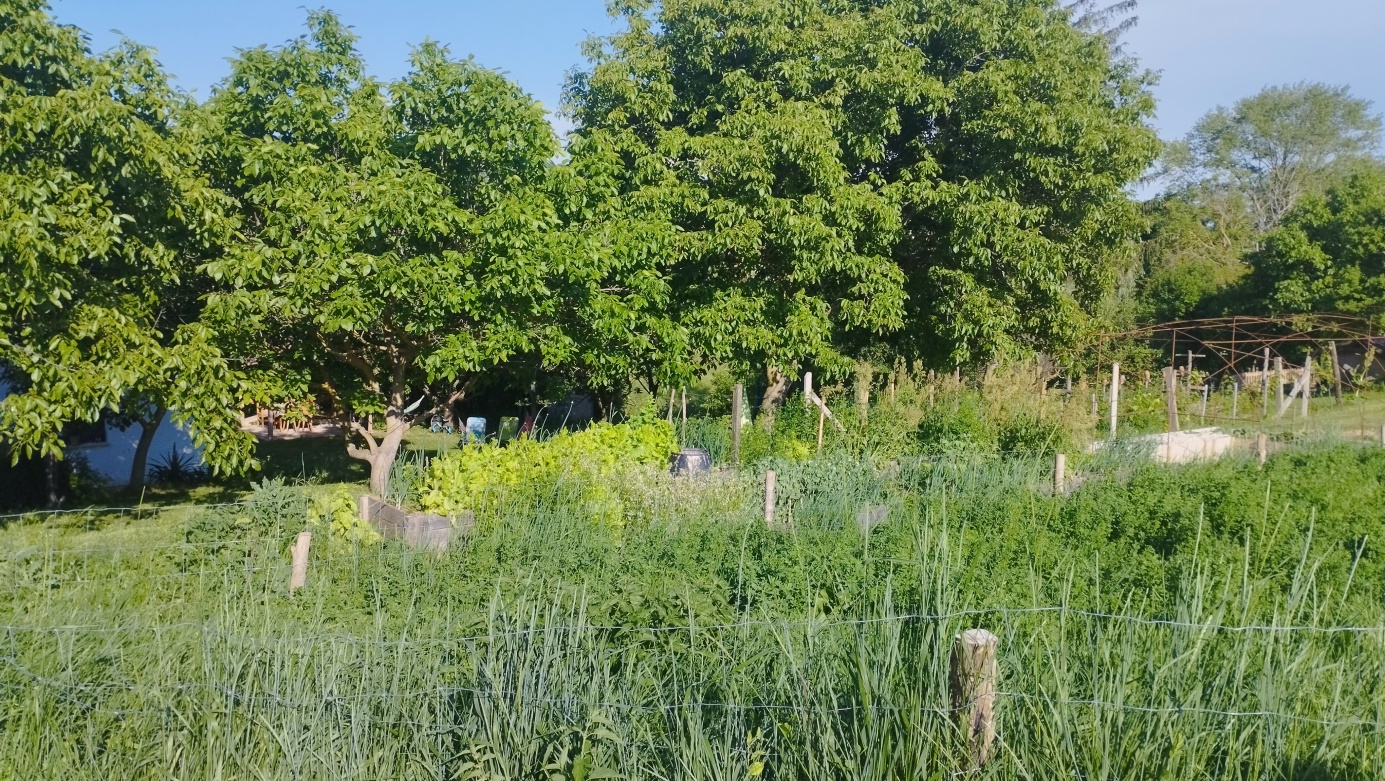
column 1218, row 640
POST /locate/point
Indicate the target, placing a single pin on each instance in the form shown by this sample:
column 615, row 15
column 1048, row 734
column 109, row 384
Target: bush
column 476, row 477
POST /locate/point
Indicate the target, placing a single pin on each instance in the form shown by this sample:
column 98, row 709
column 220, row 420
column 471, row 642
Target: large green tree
column 1277, row 146
column 820, row 177
column 389, row 237
column 103, row 220
column 1329, row 255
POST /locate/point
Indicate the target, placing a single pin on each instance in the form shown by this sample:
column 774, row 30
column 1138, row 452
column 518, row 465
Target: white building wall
column 112, row 459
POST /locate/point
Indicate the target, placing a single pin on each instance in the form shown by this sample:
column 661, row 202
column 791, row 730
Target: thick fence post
column 1307, row 384
column 299, row 577
column 1171, row 396
column 1279, row 384
column 737, row 401
column 1060, row 474
column 770, row 478
column 1336, row 373
column 1262, row 448
column 1115, row 397
column 973, row 684
column 1265, row 385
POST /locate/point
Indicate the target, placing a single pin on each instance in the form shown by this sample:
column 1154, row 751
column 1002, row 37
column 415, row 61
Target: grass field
column 1212, row 621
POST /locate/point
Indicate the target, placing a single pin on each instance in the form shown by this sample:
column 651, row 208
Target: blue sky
column 1208, row 52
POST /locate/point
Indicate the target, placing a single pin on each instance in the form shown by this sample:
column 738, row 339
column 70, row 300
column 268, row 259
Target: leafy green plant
column 477, row 477
column 335, row 512
column 177, row 468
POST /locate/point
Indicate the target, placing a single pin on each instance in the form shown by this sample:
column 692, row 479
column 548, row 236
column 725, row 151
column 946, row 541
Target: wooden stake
column 1279, row 384
column 822, row 416
column 1235, row 398
column 770, row 478
column 672, row 399
column 1171, row 396
column 1262, row 448
column 1307, row 384
column 1060, row 474
column 299, row 577
column 807, row 387
column 973, row 684
column 1115, row 396
column 683, row 440
column 1382, row 436
column 1265, row 383
column 737, row 400
column 1336, row 373
column 1202, row 413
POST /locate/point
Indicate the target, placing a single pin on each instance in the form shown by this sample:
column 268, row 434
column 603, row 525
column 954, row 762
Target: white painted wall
column 112, row 458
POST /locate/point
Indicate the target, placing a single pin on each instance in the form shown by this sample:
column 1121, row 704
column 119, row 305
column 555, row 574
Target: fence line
column 273, row 699
column 721, row 628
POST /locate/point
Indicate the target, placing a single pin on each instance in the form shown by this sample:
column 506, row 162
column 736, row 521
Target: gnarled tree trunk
column 380, row 453
column 139, row 465
column 775, row 392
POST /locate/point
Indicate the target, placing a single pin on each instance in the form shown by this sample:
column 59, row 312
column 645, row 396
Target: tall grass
column 1156, row 624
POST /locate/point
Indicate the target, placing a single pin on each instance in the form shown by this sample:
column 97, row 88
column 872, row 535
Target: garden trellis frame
column 1231, row 345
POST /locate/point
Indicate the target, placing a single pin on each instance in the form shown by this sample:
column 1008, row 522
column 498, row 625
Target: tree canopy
column 102, row 222
column 388, row 237
column 1278, row 145
column 1329, row 255
column 816, row 177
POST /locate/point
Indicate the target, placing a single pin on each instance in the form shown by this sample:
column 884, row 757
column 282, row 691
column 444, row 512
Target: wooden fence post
column 1262, row 448
column 1115, row 397
column 737, row 401
column 770, row 478
column 1171, row 396
column 1279, row 384
column 822, row 417
column 683, row 439
column 1060, row 474
column 1265, row 383
column 299, row 577
column 1382, row 436
column 973, row 684
column 1336, row 373
column 1307, row 384
column 1235, row 398
column 1202, row 414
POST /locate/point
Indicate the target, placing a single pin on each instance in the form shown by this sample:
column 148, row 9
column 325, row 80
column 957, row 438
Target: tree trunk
column 50, row 476
column 380, row 453
column 139, row 466
column 775, row 392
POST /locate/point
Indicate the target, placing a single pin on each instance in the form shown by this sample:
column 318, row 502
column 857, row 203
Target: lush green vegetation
column 1213, row 621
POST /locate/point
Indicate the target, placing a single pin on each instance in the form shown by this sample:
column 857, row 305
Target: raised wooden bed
column 419, row 530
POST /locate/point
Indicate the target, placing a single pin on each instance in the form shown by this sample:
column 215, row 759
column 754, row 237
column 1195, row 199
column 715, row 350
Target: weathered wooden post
column 1115, row 397
column 822, row 418
column 1265, row 382
column 1202, row 413
column 672, row 399
column 299, row 577
column 1382, row 436
column 1336, row 373
column 770, row 478
column 1171, row 396
column 683, row 439
column 1060, row 474
column 1262, row 448
column 1279, row 384
column 1235, row 398
column 1307, row 384
column 737, row 400
column 973, row 683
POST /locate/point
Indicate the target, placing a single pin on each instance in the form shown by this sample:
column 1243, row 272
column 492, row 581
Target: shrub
column 476, row 477
column 335, row 513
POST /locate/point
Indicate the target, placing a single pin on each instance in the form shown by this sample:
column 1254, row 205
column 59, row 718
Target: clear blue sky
column 1208, row 52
